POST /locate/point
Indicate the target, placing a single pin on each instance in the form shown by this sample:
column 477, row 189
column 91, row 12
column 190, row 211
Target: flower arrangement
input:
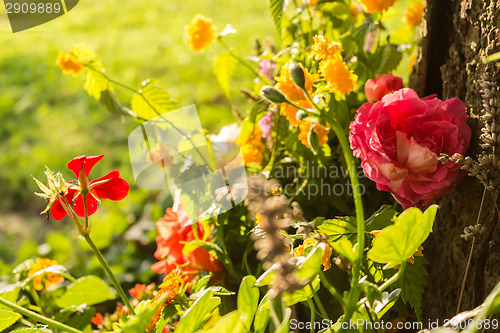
column 329, row 96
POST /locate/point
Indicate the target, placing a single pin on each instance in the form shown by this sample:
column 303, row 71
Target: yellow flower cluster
column 337, row 75
column 323, row 49
column 371, row 6
column 69, row 64
column 46, row 280
column 200, row 33
column 172, row 286
column 413, row 15
column 321, row 131
column 299, row 252
column 252, row 149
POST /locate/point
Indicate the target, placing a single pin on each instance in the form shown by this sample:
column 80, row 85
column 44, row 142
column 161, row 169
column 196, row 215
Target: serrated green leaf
column 86, row 290
column 224, row 65
column 412, row 285
column 387, row 58
column 167, row 313
column 248, row 299
column 398, row 242
column 382, row 218
column 152, row 100
column 201, row 310
column 217, row 290
column 95, row 82
column 8, row 318
column 339, row 227
column 277, row 7
column 37, row 328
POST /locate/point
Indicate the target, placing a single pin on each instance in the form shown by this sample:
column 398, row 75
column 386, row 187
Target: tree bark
column 457, row 36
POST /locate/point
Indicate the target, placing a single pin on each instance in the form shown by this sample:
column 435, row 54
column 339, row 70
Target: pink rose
column 382, row 85
column 400, row 138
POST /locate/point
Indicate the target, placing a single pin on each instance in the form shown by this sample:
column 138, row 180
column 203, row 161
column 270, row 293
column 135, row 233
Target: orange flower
column 311, row 2
column 69, row 64
column 323, row 49
column 286, row 85
column 45, row 280
column 371, row 6
column 354, row 10
column 172, row 286
column 321, row 131
column 410, row 260
column 200, row 33
column 337, row 75
column 252, row 149
column 413, row 15
column 299, row 252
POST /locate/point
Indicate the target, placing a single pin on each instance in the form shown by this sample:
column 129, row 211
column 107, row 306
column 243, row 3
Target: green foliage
column 277, row 8
column 8, row 318
column 224, row 66
column 248, row 299
column 396, row 243
column 86, row 290
column 198, row 313
column 152, row 100
column 412, row 285
column 338, row 228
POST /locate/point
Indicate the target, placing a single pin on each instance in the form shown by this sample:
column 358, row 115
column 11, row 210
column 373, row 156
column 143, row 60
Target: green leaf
column 386, row 303
column 9, row 293
column 86, row 290
column 217, row 290
column 387, row 58
column 95, row 81
column 152, row 100
column 412, row 285
column 224, row 65
column 339, row 227
column 144, row 313
column 8, row 318
column 167, row 313
column 396, row 243
column 277, row 7
column 109, row 100
column 201, row 310
column 285, row 324
column 37, row 328
column 382, row 218
column 267, row 277
column 312, row 264
column 301, row 295
column 344, row 247
column 248, row 299
column 262, row 316
column 233, row 322
column 493, row 57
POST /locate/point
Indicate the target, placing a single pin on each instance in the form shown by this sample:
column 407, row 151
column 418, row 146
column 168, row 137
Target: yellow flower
column 200, row 33
column 311, row 2
column 321, row 131
column 69, row 64
column 45, row 280
column 299, row 252
column 413, row 15
column 286, row 85
column 323, row 49
column 354, row 10
column 290, row 112
column 410, row 260
column 337, row 75
column 172, row 286
column 371, row 6
column 252, row 149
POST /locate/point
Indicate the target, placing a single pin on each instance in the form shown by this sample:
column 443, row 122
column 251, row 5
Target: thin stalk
column 244, row 63
column 313, row 313
column 469, row 260
column 319, row 303
column 38, row 317
column 110, row 274
column 331, row 289
column 393, row 278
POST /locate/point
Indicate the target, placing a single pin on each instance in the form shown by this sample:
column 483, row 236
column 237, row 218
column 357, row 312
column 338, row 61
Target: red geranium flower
column 110, row 186
column 174, row 231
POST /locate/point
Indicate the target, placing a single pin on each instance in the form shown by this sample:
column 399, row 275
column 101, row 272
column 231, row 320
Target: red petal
column 85, row 162
column 91, row 205
column 57, row 211
column 115, row 188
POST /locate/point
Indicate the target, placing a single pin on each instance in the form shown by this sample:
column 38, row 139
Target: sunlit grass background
column 46, row 118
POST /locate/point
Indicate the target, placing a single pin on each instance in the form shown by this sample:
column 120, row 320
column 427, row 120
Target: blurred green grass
column 46, row 118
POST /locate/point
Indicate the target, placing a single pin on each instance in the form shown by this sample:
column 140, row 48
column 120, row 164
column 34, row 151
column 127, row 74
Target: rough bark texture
column 457, row 36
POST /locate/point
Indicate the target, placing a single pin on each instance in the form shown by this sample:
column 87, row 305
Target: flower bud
column 298, row 75
column 273, row 95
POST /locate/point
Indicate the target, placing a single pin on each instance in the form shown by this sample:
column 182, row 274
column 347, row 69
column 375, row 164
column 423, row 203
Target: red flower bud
column 382, row 85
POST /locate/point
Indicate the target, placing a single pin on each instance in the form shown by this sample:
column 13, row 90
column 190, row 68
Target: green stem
column 38, row 317
column 331, row 289
column 313, row 313
column 393, row 278
column 110, row 274
column 319, row 303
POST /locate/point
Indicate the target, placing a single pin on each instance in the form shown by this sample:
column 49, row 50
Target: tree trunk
column 457, row 36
